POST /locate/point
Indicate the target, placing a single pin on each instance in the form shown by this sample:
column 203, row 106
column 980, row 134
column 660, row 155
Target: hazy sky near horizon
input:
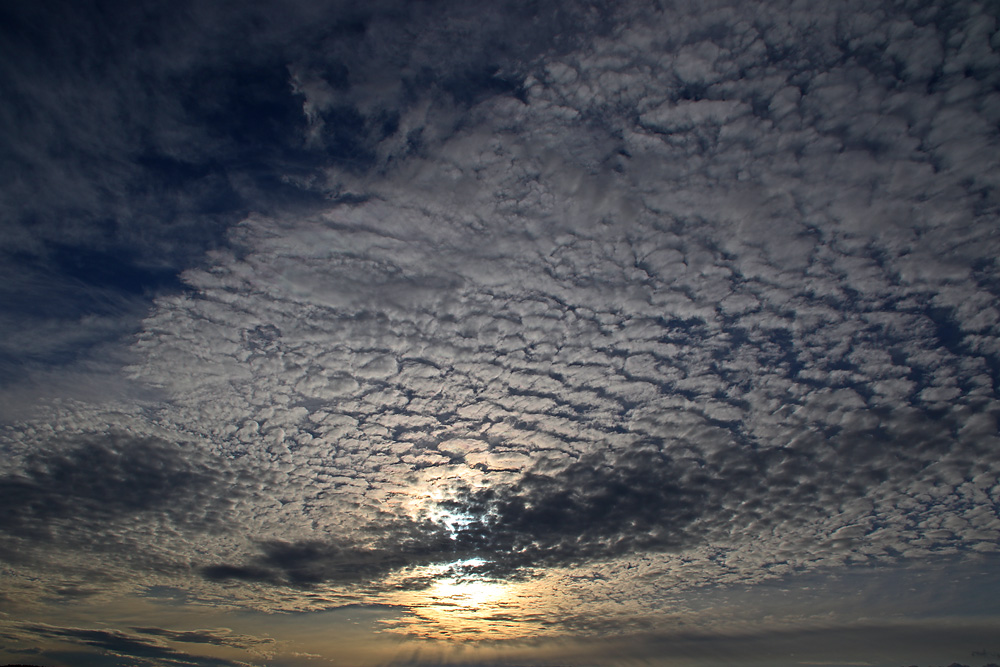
column 510, row 333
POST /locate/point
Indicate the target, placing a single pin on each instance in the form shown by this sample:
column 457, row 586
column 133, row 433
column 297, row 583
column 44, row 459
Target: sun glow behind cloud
column 469, row 592
column 461, row 604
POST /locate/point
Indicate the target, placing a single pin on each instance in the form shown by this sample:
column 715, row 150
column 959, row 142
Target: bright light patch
column 467, row 593
column 461, row 605
column 466, row 590
column 453, row 522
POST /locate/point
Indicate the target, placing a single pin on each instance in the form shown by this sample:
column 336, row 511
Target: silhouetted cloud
column 223, row 637
column 133, row 647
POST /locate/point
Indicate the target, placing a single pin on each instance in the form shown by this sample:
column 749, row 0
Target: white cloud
column 727, row 294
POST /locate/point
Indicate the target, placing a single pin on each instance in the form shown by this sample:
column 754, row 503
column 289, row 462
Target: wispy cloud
column 141, row 647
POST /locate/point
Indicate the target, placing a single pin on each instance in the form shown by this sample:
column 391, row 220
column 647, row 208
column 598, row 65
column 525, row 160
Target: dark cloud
column 92, row 489
column 214, row 637
column 310, row 562
column 132, row 647
column 610, row 506
column 596, row 508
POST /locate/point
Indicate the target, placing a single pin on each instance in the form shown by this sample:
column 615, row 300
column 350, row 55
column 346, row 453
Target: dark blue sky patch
column 346, row 137
column 54, row 317
column 60, row 307
column 114, row 271
column 246, row 108
column 167, row 595
column 134, row 132
column 170, row 174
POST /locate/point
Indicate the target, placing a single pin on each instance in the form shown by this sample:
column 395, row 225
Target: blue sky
column 568, row 333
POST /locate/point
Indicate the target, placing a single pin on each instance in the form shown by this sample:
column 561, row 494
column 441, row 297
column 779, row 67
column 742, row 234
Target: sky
column 529, row 333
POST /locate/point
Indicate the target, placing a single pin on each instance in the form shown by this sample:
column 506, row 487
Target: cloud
column 98, row 479
column 304, row 564
column 135, row 138
column 141, row 647
column 104, row 476
column 706, row 293
column 89, row 508
column 216, row 637
column 593, row 509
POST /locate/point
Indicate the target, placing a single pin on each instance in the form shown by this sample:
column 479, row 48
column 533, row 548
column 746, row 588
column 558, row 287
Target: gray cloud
column 84, row 507
column 712, row 286
column 217, row 637
column 142, row 648
column 304, row 564
column 105, row 477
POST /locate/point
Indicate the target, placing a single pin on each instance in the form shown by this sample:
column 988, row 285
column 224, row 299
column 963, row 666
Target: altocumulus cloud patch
column 112, row 493
column 689, row 296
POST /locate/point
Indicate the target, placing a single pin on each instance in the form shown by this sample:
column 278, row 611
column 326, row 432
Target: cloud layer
column 688, row 296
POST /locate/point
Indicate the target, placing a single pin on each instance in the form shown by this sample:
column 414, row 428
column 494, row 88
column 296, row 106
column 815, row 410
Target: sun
column 467, row 592
column 462, row 601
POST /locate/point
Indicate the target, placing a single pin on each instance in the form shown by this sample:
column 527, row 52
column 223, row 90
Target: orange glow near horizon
column 463, row 606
